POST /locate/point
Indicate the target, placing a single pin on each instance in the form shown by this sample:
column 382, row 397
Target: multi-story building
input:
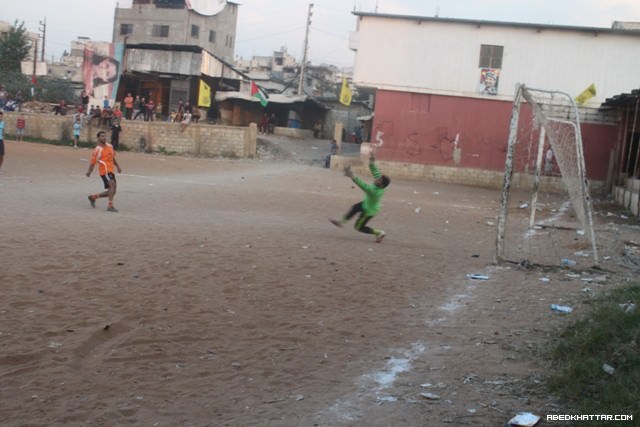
column 171, row 45
column 177, row 23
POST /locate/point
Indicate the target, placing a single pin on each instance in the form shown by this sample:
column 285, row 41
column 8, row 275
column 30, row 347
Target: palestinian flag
column 257, row 93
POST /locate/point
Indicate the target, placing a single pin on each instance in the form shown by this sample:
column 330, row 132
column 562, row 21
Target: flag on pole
column 586, row 94
column 257, row 93
column 204, row 95
column 345, row 93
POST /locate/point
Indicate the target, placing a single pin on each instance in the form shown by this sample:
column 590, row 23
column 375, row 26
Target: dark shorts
column 1, row 147
column 106, row 178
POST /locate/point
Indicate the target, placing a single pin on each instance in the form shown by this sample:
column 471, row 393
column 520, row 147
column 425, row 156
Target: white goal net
column 552, row 222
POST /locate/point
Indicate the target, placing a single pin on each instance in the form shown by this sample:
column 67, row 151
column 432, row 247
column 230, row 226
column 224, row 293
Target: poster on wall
column 101, row 71
column 489, row 78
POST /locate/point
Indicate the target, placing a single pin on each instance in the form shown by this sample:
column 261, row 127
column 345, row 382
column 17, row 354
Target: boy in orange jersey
column 105, row 157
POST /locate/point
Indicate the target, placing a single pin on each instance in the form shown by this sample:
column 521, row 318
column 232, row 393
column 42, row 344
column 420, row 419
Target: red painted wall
column 421, row 128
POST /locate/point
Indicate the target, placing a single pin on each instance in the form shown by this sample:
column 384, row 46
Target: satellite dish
column 206, row 7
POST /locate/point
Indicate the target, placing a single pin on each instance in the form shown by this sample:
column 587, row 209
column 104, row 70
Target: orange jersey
column 104, row 157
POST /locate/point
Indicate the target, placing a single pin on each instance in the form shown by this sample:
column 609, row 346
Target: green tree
column 14, row 48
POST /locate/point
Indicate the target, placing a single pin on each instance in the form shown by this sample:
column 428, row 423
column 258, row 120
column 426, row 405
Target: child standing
column 21, row 123
column 77, row 126
column 370, row 206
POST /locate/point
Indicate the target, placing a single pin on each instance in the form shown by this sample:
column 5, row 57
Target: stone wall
column 196, row 138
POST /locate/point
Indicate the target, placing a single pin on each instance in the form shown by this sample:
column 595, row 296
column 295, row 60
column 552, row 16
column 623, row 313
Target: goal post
column 539, row 119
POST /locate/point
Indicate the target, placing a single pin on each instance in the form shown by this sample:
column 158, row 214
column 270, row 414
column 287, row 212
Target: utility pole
column 35, row 59
column 304, row 55
column 43, row 28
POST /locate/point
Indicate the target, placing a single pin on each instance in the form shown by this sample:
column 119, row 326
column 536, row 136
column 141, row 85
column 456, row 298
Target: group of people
column 8, row 103
column 107, row 117
column 136, row 107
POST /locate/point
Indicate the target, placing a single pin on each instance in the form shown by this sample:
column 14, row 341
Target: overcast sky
column 268, row 25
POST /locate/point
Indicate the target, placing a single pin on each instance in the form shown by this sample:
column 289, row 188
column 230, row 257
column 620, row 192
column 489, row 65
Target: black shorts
column 108, row 177
column 1, row 147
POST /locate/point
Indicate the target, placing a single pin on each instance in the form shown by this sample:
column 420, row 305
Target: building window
column 126, row 29
column 491, row 56
column 160, row 31
column 195, row 31
column 212, row 36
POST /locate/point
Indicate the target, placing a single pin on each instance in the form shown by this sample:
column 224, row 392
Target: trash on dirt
column 580, row 232
column 524, row 419
column 628, row 307
column 561, row 308
column 525, row 205
column 477, row 277
column 568, row 262
column 583, row 253
column 608, row 369
column 417, row 210
column 490, row 223
column 596, row 279
column 545, row 279
column 430, row 396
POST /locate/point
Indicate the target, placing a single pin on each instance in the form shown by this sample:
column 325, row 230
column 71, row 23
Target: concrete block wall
column 196, row 138
column 453, row 175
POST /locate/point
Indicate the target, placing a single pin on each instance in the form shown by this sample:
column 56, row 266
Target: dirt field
column 220, row 295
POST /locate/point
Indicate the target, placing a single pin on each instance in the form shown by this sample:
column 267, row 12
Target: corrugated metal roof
column 622, row 100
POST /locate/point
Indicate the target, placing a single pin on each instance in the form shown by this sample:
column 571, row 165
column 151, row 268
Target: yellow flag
column 204, row 95
column 586, row 94
column 345, row 93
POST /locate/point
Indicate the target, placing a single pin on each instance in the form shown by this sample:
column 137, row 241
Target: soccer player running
column 370, row 206
column 105, row 157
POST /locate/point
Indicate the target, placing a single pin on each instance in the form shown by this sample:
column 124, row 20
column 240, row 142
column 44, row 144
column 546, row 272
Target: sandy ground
column 220, row 295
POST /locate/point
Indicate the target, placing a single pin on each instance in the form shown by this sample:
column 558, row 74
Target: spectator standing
column 84, row 100
column 149, row 111
column 105, row 102
column 115, row 133
column 128, row 106
column 263, row 126
column 180, row 111
column 142, row 108
column 117, row 112
column 77, row 127
column 136, row 107
column 272, row 123
column 21, row 123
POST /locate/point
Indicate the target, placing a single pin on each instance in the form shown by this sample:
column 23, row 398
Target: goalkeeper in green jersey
column 370, row 206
